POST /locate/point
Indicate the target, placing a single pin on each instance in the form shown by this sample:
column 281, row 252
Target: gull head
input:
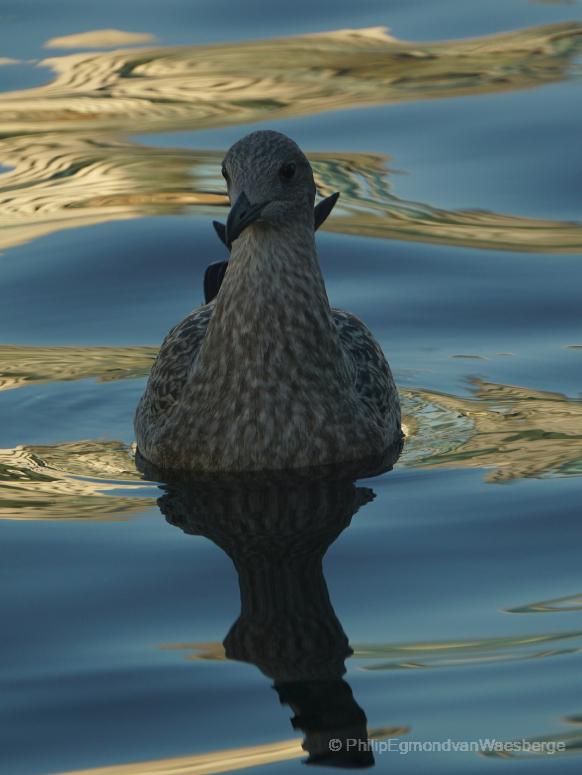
column 270, row 182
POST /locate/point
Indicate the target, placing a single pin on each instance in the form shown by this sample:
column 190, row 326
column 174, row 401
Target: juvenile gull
column 267, row 376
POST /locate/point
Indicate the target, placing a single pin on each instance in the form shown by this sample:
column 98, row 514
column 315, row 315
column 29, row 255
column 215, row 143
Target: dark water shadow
column 277, row 530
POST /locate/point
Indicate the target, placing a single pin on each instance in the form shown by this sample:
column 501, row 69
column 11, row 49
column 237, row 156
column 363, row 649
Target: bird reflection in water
column 276, row 531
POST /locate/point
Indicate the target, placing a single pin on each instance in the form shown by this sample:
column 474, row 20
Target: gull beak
column 323, row 209
column 241, row 215
column 320, row 213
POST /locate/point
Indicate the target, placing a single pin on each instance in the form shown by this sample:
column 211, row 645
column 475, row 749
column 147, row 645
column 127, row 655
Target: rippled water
column 180, row 628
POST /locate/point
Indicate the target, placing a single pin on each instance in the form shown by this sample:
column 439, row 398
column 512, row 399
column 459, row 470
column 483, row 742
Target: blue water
column 113, row 621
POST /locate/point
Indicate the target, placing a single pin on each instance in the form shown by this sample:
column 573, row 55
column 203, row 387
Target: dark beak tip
column 242, row 214
column 220, row 230
column 323, row 209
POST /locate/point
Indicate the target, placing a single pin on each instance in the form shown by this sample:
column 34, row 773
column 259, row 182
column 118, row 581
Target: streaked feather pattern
column 267, row 376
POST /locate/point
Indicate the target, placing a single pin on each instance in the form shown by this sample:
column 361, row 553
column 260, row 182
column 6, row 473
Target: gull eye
column 225, row 174
column 287, row 170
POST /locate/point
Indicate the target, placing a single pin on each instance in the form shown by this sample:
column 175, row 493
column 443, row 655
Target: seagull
column 266, row 376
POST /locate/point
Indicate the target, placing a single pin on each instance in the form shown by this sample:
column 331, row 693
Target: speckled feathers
column 268, row 376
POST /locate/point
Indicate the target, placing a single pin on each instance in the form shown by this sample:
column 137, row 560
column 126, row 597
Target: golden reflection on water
column 571, row 740
column 400, row 656
column 71, row 165
column 21, row 366
column 110, row 38
column 556, row 605
column 226, row 760
column 515, row 432
column 75, row 480
column 220, row 85
column 59, row 182
column 473, row 652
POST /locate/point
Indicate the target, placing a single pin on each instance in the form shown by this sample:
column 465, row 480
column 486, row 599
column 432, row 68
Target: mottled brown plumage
column 268, row 376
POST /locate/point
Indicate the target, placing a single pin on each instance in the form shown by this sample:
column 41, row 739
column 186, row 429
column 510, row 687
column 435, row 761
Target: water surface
column 183, row 628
